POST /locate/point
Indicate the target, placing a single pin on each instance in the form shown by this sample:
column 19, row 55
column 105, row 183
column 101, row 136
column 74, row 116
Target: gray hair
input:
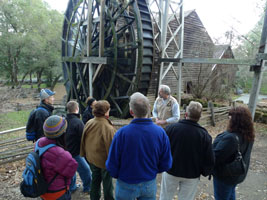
column 165, row 89
column 139, row 104
column 194, row 110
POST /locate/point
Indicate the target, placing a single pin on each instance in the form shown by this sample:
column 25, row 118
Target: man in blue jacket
column 138, row 152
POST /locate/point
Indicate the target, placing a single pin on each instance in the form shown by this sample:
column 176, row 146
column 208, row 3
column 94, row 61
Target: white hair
column 194, row 110
column 139, row 104
column 165, row 89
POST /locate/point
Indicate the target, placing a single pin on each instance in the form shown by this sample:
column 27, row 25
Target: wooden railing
column 14, row 146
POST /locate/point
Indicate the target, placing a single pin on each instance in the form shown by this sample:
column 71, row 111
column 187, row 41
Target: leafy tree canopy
column 30, row 38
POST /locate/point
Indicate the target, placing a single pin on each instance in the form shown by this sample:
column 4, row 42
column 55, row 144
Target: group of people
column 182, row 150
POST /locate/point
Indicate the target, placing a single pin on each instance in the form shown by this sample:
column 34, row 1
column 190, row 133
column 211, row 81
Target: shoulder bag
column 236, row 167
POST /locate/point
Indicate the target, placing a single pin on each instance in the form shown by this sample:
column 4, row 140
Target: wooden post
column 90, row 75
column 254, row 93
column 102, row 28
column 181, row 41
column 89, row 28
column 234, row 104
column 163, row 25
column 210, row 104
column 89, row 46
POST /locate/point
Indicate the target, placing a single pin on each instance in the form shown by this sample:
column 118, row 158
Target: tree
column 247, row 49
column 30, row 41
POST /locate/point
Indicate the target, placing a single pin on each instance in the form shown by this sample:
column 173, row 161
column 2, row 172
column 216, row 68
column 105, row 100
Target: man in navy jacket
column 191, row 147
column 73, row 141
column 47, row 101
column 138, row 152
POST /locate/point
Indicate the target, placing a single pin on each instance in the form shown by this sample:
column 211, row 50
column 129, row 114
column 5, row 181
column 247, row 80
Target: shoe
column 86, row 192
column 77, row 186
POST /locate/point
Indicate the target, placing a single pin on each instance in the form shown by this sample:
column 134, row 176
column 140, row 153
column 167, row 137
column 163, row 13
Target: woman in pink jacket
column 56, row 162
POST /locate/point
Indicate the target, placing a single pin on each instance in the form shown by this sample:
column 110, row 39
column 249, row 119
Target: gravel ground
column 253, row 188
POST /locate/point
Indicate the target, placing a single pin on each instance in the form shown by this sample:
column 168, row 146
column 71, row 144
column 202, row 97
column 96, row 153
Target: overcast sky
column 218, row 16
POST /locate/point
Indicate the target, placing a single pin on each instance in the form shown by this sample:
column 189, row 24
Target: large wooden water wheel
column 107, row 51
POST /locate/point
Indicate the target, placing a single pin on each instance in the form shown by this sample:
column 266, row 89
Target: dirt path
column 253, row 188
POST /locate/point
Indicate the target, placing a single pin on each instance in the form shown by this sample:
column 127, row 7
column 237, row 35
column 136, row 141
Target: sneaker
column 86, row 192
column 77, row 186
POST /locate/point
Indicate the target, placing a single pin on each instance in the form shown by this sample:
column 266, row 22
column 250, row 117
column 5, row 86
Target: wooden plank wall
column 225, row 74
column 197, row 43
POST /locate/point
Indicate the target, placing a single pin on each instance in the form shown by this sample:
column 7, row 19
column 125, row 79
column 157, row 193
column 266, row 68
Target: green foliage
column 248, row 49
column 244, row 80
column 35, row 86
column 30, row 39
column 13, row 119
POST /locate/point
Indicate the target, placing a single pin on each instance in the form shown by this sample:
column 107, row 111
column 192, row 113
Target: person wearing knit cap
column 96, row 139
column 88, row 114
column 56, row 161
column 47, row 101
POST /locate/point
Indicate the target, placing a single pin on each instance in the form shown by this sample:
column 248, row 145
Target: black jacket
column 191, row 147
column 40, row 117
column 225, row 149
column 87, row 114
column 74, row 133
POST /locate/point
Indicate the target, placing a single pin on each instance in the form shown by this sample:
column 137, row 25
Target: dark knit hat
column 54, row 126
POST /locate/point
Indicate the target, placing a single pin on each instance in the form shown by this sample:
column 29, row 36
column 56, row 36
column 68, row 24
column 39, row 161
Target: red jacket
column 57, row 161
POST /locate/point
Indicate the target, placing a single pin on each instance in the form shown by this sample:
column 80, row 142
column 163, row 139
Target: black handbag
column 236, row 167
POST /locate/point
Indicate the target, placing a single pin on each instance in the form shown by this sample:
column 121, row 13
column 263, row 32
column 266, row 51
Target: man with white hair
column 191, row 147
column 166, row 108
column 138, row 152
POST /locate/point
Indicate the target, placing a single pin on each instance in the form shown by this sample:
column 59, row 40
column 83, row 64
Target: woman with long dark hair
column 88, row 113
column 225, row 148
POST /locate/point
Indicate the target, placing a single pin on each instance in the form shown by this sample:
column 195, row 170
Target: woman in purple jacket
column 56, row 161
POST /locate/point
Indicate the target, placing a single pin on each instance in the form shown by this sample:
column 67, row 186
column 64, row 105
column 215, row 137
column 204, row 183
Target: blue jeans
column 84, row 173
column 141, row 191
column 223, row 191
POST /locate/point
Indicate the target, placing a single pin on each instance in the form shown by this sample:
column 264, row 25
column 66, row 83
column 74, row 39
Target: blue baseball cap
column 45, row 93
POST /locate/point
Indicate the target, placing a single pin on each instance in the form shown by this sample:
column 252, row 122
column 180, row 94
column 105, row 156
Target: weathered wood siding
column 197, row 43
column 224, row 75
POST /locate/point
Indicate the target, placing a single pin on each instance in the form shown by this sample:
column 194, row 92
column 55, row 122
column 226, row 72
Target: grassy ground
column 43, row 85
column 13, row 119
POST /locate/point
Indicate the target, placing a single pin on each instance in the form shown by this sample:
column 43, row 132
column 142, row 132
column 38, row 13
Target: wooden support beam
column 89, row 28
column 94, row 60
column 246, row 62
column 181, row 43
column 163, row 23
column 90, row 75
column 254, row 93
column 102, row 28
column 89, row 45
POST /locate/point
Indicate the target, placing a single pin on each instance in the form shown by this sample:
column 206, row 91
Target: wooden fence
column 14, row 146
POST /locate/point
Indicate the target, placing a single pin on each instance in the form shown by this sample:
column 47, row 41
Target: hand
column 161, row 122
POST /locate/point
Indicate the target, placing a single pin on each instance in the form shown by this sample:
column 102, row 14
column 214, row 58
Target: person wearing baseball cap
column 56, row 163
column 43, row 111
